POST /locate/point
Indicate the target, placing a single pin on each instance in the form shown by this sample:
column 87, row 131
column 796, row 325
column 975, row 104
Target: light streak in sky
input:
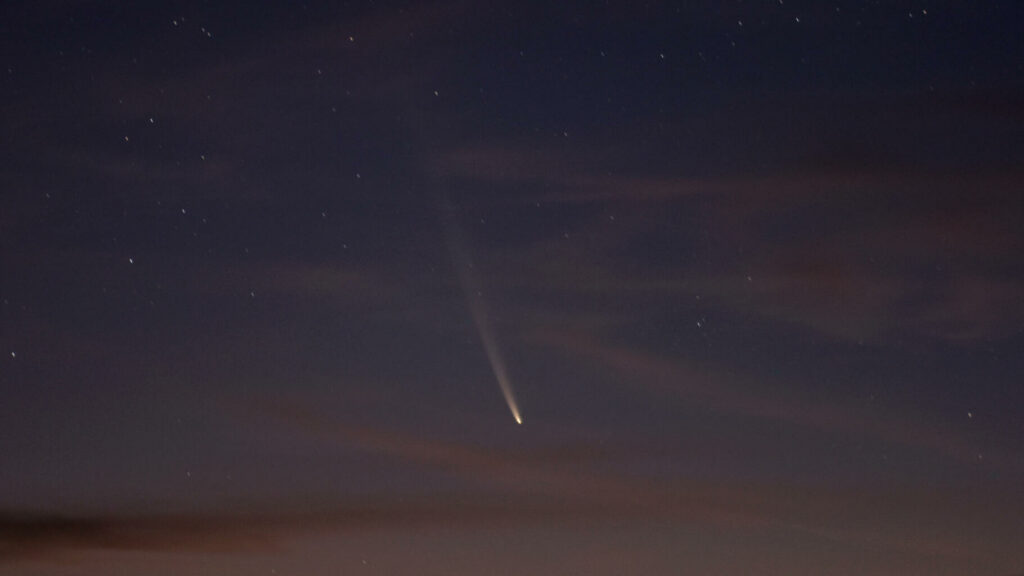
column 478, row 309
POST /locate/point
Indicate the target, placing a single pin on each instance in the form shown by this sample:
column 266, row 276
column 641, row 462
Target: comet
column 478, row 309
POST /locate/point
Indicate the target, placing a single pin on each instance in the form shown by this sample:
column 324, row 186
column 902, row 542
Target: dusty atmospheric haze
column 270, row 271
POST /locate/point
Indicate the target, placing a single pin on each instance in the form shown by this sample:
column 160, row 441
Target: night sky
column 276, row 279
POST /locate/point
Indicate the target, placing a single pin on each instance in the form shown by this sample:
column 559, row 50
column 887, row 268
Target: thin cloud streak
column 678, row 380
column 527, row 487
column 866, row 250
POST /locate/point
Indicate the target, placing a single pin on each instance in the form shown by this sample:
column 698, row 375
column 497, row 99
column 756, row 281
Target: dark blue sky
column 753, row 268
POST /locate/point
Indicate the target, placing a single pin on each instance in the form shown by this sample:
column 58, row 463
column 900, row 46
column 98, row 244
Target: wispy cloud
column 868, row 263
column 705, row 387
column 529, row 486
